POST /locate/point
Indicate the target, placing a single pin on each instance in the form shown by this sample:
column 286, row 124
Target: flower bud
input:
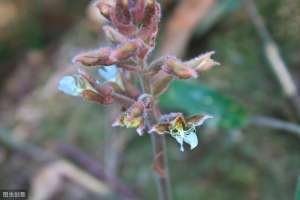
column 124, row 121
column 135, row 111
column 131, row 89
column 133, row 117
column 161, row 84
column 113, row 35
column 178, row 69
column 105, row 7
column 149, row 29
column 94, row 58
column 97, row 98
column 203, row 62
column 138, row 10
column 121, row 19
column 122, row 11
column 124, row 50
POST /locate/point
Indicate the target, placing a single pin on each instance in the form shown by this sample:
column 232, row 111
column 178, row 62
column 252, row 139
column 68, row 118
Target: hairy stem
column 123, row 98
column 161, row 161
column 159, row 148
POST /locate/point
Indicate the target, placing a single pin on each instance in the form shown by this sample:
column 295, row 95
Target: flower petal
column 133, row 123
column 178, row 123
column 161, row 128
column 179, row 139
column 119, row 121
column 191, row 138
column 197, row 120
column 71, row 85
column 140, row 129
column 109, row 73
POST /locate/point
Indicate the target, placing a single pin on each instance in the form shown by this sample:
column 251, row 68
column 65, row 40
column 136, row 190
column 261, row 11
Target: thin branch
column 123, row 98
column 276, row 124
column 38, row 154
column 33, row 152
column 94, row 168
column 272, row 52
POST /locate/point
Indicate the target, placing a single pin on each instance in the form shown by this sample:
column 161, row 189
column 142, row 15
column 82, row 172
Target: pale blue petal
column 191, row 139
column 179, row 139
column 109, row 73
column 69, row 86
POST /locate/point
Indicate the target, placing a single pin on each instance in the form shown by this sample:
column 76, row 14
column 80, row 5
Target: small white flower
column 70, row 86
column 74, row 85
column 180, row 128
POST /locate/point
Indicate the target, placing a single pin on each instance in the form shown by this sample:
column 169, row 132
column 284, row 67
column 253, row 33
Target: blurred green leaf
column 297, row 197
column 195, row 98
column 222, row 8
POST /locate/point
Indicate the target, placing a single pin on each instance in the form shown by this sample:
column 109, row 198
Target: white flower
column 183, row 130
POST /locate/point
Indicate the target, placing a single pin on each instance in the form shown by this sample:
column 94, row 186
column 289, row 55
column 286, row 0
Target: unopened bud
column 149, row 29
column 124, row 50
column 113, row 35
column 176, row 68
column 161, row 84
column 122, row 11
column 94, row 58
column 105, row 7
column 203, row 62
column 94, row 97
column 135, row 111
column 138, row 11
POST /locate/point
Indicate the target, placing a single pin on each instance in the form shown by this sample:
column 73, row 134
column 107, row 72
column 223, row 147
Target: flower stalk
column 160, row 157
column 161, row 161
column 132, row 31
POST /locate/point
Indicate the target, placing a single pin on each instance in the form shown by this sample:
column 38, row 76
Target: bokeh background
column 59, row 147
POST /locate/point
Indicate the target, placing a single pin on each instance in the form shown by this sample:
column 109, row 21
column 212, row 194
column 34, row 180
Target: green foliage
column 194, row 98
column 297, row 197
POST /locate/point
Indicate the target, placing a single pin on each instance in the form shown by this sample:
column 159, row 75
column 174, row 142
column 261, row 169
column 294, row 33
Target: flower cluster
column 128, row 79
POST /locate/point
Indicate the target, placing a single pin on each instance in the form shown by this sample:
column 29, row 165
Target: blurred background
column 59, row 147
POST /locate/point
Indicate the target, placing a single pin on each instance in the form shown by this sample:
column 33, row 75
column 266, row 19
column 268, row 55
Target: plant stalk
column 160, row 158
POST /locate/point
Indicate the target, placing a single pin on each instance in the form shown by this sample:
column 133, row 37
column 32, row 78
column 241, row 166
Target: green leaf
column 194, row 98
column 297, row 196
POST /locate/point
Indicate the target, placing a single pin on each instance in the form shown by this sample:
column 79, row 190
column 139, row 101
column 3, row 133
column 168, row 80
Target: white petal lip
column 179, row 139
column 191, row 139
column 68, row 86
column 140, row 131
